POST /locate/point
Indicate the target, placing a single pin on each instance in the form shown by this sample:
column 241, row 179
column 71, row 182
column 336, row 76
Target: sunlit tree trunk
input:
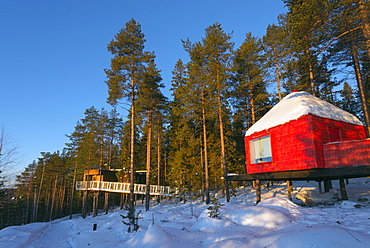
column 206, row 170
column 148, row 160
column 357, row 68
column 132, row 146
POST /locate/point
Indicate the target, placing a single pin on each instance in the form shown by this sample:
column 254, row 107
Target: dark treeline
column 322, row 47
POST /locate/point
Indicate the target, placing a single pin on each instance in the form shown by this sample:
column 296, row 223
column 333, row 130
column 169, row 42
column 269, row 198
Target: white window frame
column 260, row 150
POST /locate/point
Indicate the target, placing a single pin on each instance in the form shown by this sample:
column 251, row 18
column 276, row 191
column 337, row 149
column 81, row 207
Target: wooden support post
column 106, row 202
column 290, row 189
column 330, row 184
column 326, row 185
column 121, row 200
column 320, row 188
column 258, row 191
column 343, row 191
column 95, row 203
column 84, row 204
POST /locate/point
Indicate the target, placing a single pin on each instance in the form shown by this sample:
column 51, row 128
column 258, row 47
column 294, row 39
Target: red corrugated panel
column 347, row 153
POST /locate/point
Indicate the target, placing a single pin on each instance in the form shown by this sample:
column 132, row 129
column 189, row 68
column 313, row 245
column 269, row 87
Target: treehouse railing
column 125, row 188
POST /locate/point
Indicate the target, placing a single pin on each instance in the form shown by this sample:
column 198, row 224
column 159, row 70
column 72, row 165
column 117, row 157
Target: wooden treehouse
column 305, row 138
column 101, row 181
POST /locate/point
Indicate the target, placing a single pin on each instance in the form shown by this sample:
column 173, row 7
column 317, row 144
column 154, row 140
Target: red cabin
column 303, row 132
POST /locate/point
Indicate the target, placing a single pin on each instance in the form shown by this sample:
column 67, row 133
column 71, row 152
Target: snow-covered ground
column 275, row 222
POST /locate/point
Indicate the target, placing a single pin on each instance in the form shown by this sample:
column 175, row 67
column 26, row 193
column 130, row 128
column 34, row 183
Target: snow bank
column 282, row 204
column 154, row 237
column 299, row 104
column 307, row 237
column 257, row 216
column 19, row 236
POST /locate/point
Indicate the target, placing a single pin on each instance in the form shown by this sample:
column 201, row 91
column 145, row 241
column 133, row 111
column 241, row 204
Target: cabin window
column 260, row 150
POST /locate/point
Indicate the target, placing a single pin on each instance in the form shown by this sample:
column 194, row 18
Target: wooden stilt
column 290, row 189
column 95, row 203
column 258, row 191
column 84, row 204
column 343, row 191
column 106, row 202
column 122, row 201
column 326, row 185
column 320, row 188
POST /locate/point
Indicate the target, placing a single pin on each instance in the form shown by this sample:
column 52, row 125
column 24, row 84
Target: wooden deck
column 318, row 174
column 125, row 188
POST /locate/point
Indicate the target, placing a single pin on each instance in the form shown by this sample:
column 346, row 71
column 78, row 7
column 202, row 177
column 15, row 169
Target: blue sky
column 53, row 55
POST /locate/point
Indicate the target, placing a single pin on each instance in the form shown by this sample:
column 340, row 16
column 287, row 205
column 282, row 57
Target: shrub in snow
column 214, row 210
column 133, row 220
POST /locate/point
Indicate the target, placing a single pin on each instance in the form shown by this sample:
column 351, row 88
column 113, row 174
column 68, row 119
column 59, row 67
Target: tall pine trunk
column 310, row 70
column 222, row 140
column 35, row 211
column 206, row 189
column 277, row 72
column 159, row 171
column 148, row 160
column 360, row 83
column 132, row 146
column 365, row 24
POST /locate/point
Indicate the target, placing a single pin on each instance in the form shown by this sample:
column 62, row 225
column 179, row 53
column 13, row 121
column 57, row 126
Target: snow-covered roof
column 299, row 104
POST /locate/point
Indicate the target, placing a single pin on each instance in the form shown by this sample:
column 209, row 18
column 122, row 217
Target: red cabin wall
column 322, row 128
column 298, row 144
column 292, row 145
column 348, row 153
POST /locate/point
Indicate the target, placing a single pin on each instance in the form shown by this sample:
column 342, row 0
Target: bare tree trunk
column 72, row 195
column 159, row 171
column 132, row 146
column 223, row 153
column 47, row 202
column 148, row 160
column 207, row 196
column 277, row 73
column 39, row 193
column 365, row 24
column 62, row 209
column 34, row 210
column 253, row 114
column 222, row 137
column 27, row 208
column 53, row 198
column 357, row 68
column 311, row 76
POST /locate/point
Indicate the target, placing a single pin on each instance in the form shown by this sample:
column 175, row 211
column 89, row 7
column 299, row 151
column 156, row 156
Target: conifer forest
column 194, row 137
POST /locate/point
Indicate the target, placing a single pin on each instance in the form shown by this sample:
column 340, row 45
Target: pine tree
column 126, row 76
column 277, row 55
column 340, row 27
column 184, row 160
column 250, row 94
column 209, row 74
column 151, row 102
column 218, row 50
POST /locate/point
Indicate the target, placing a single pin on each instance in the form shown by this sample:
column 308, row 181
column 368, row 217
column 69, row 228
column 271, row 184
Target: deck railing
column 125, row 188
